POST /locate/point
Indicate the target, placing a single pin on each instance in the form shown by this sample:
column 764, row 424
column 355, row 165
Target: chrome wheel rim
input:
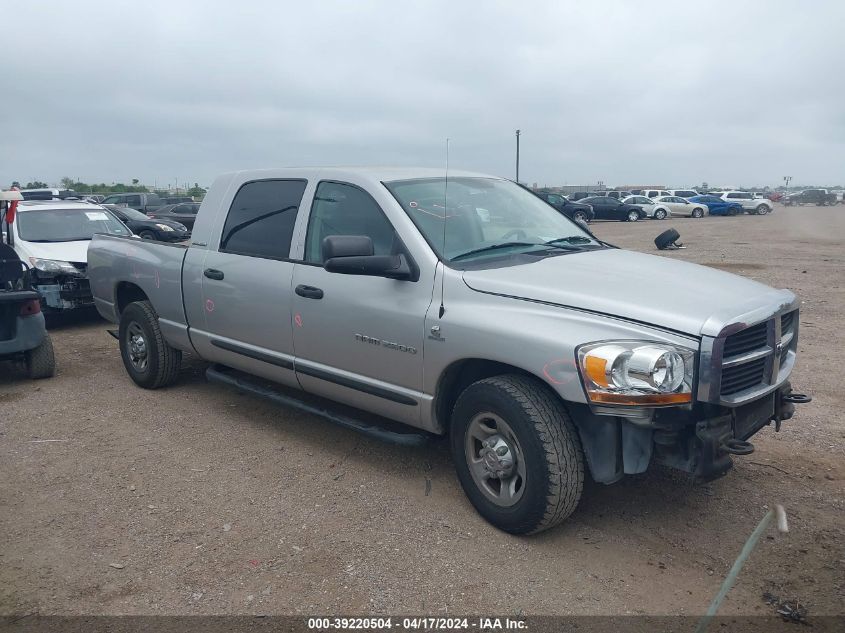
column 660, row 214
column 136, row 347
column 495, row 459
column 633, row 216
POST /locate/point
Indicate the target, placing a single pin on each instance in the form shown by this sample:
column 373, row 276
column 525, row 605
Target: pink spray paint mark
column 559, row 372
column 297, row 318
column 209, row 305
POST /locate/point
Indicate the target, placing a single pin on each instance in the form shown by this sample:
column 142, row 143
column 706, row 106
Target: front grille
column 751, row 358
column 786, row 322
column 741, row 377
column 746, row 340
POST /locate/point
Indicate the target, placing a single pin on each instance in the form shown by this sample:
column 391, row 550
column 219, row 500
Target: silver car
column 682, row 206
column 652, row 209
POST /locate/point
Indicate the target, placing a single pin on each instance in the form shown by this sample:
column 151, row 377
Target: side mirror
column 353, row 255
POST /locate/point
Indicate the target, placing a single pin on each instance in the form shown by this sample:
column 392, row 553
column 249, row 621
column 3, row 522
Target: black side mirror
column 353, row 255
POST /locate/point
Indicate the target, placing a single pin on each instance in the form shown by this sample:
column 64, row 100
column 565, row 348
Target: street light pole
column 517, row 155
column 786, row 179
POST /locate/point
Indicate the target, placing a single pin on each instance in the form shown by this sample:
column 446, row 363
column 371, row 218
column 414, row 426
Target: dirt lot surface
column 197, row 499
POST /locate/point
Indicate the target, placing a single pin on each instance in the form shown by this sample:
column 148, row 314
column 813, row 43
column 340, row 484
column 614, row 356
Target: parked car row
column 659, row 204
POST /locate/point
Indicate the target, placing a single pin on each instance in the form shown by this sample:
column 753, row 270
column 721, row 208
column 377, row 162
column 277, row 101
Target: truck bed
column 122, row 267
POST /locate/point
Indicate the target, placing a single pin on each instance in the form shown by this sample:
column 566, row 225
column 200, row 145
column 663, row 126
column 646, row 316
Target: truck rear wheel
column 517, row 454
column 147, row 357
column 40, row 361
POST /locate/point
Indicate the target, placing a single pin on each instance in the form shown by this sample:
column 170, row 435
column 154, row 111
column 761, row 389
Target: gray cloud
column 658, row 92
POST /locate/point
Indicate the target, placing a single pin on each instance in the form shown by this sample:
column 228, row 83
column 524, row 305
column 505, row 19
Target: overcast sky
column 675, row 93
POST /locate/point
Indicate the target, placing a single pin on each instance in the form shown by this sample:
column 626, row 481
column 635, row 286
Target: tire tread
column 169, row 359
column 560, row 442
column 41, row 361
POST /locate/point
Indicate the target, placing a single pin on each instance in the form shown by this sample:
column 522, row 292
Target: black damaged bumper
column 706, row 449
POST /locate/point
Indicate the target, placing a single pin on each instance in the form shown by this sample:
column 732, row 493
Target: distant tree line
column 83, row 187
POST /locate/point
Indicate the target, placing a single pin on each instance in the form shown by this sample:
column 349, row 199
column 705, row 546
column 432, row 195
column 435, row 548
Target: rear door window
column 261, row 219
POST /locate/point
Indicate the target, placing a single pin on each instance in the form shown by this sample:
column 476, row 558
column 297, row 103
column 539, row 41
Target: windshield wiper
column 492, row 247
column 570, row 239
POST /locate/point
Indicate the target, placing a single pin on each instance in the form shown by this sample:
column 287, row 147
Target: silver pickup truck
column 462, row 305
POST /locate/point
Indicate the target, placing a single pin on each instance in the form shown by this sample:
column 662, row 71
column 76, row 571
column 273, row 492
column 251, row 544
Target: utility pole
column 517, row 155
column 786, row 179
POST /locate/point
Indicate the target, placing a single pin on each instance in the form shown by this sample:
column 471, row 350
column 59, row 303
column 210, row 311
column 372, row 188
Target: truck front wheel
column 517, row 454
column 762, row 209
column 148, row 359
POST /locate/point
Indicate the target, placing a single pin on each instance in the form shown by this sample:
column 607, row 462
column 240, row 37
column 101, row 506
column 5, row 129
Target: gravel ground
column 199, row 500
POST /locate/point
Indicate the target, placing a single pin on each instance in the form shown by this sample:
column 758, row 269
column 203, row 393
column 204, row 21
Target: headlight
column 637, row 373
column 54, row 266
column 164, row 227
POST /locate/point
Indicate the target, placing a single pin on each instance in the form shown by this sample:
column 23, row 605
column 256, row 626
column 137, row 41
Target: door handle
column 309, row 292
column 213, row 273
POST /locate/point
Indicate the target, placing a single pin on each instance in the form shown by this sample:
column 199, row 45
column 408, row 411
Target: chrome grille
column 786, row 322
column 741, row 377
column 751, row 361
column 745, row 341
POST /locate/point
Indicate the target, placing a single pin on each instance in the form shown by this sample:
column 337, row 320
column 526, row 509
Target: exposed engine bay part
column 64, row 291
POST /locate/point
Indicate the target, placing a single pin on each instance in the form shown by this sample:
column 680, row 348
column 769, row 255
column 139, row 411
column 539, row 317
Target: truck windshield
column 66, row 225
column 484, row 217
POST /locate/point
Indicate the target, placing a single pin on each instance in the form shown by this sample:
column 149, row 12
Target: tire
column 148, row 359
column 537, row 433
column 761, row 209
column 147, row 235
column 698, row 212
column 660, row 214
column 666, row 239
column 580, row 216
column 632, row 216
column 41, row 362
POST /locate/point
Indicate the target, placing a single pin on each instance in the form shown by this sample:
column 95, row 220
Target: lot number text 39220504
column 416, row 624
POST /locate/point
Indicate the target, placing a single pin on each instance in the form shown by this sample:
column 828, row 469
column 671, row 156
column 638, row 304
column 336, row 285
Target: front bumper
column 705, row 448
column 65, row 293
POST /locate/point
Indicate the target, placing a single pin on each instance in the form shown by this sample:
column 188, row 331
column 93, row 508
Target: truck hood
column 62, row 251
column 655, row 290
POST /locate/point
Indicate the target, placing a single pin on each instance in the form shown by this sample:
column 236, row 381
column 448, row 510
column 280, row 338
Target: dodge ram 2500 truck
column 458, row 304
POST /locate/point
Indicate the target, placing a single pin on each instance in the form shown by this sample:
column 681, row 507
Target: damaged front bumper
column 706, row 447
column 64, row 292
column 701, row 441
